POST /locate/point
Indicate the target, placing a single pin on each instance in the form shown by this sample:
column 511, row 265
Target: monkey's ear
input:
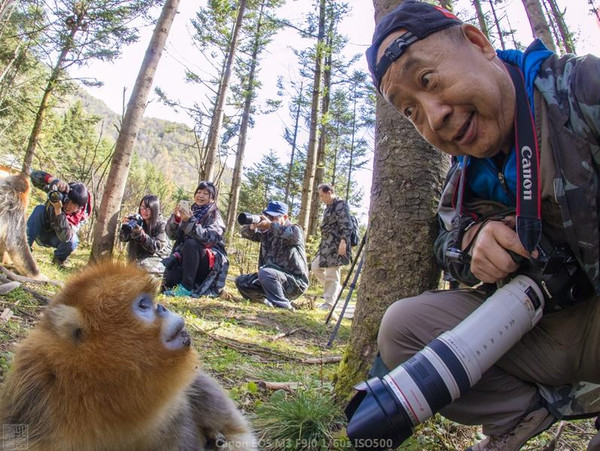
column 66, row 321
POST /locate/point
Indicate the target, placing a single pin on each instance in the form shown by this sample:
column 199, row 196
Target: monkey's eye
column 143, row 307
column 145, row 304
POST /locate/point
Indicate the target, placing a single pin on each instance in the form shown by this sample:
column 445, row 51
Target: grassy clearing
column 274, row 364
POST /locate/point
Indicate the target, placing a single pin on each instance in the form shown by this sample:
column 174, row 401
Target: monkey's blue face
column 172, row 327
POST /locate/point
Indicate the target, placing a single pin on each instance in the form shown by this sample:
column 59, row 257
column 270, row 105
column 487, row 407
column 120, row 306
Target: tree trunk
column 106, row 225
column 399, row 262
column 308, row 182
column 481, row 18
column 236, row 181
column 34, row 137
column 351, row 160
column 497, row 24
column 539, row 25
column 217, row 119
column 322, row 148
column 566, row 36
column 288, row 184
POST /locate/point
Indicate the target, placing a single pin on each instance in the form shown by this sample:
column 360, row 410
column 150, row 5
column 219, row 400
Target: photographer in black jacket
column 145, row 235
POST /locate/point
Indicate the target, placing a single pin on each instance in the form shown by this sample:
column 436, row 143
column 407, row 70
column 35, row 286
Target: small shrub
column 302, row 420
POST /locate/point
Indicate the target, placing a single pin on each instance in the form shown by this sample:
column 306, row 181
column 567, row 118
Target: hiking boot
column 178, row 291
column 62, row 264
column 528, row 427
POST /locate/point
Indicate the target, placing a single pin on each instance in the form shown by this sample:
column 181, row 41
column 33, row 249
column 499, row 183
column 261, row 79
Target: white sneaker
column 325, row 306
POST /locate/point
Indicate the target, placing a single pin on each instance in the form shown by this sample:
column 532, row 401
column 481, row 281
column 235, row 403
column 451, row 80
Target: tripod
column 350, row 291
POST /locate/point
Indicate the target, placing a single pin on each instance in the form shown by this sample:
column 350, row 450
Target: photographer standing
column 145, row 235
column 57, row 222
column 282, row 270
column 198, row 264
column 334, row 248
column 523, row 129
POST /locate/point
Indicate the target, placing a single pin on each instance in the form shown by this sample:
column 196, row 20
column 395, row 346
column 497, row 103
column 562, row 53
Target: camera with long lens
column 133, row 221
column 248, row 218
column 383, row 412
column 56, row 196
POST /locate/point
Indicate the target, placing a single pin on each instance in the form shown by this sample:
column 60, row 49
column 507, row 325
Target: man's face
column 455, row 91
column 325, row 197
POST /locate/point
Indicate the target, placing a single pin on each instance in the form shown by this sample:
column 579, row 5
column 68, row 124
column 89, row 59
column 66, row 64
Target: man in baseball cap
column 511, row 120
column 282, row 268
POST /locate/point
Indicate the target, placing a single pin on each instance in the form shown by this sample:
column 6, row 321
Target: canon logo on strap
column 526, row 180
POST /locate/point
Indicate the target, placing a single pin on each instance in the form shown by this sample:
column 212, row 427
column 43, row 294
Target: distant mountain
column 168, row 145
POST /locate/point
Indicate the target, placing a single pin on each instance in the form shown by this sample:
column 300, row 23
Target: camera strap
column 529, row 223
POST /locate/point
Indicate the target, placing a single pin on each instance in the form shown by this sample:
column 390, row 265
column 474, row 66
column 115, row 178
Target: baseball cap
column 419, row 19
column 276, row 208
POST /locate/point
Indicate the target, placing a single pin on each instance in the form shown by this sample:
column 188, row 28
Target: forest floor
column 257, row 352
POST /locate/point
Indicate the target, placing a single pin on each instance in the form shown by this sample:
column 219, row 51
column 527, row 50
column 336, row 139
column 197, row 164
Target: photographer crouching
column 57, row 222
column 145, row 235
column 523, row 129
column 282, row 269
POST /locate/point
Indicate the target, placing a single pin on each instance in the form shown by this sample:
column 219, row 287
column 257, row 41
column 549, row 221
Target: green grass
column 253, row 350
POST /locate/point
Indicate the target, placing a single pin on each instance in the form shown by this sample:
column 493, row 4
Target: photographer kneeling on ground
column 282, row 270
column 198, row 264
column 145, row 235
column 57, row 222
column 489, row 110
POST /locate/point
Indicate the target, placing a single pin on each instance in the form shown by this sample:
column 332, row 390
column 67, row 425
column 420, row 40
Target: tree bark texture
column 399, row 262
column 106, row 225
column 538, row 22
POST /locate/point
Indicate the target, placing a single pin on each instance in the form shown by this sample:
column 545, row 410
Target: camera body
column 172, row 260
column 55, row 196
column 133, row 221
column 248, row 218
column 557, row 273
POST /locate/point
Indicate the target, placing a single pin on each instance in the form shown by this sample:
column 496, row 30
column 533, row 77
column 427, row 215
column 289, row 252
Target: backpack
column 355, row 234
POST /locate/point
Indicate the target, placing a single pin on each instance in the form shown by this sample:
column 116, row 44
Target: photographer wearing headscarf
column 198, row 264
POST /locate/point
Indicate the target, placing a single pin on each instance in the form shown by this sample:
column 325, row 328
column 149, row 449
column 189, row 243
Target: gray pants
column 563, row 348
column 268, row 283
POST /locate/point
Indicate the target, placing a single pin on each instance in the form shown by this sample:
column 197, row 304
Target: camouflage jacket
column 567, row 115
column 336, row 225
column 282, row 248
column 147, row 243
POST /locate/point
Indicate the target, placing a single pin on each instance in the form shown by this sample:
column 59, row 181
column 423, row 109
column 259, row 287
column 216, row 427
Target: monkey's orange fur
column 92, row 376
column 14, row 197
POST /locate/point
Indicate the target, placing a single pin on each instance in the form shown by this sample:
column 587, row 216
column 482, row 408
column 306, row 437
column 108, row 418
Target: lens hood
column 375, row 420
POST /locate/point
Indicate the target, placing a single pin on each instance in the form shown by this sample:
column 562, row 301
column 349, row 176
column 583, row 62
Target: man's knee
column 396, row 339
